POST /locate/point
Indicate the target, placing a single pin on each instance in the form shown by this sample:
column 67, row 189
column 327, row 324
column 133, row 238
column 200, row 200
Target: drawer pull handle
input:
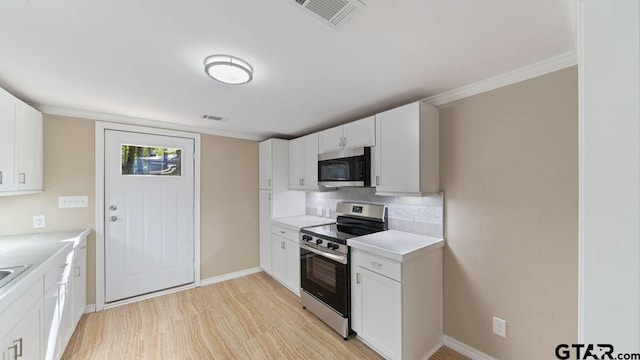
column 376, row 264
column 357, row 278
column 282, row 232
column 82, row 248
column 64, row 266
column 15, row 351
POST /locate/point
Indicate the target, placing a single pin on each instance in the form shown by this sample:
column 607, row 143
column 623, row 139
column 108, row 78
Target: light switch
column 73, row 202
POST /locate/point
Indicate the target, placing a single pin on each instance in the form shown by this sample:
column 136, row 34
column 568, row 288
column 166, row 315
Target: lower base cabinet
column 40, row 323
column 396, row 307
column 285, row 257
column 24, row 340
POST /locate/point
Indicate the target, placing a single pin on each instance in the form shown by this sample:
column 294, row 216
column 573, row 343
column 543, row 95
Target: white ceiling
column 144, row 58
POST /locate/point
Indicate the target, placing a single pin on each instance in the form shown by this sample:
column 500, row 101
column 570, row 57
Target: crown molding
column 91, row 115
column 524, row 73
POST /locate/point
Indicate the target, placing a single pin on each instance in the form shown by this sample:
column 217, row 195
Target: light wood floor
column 252, row 317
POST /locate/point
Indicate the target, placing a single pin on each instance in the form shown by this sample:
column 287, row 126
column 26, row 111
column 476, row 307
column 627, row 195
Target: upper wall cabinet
column 352, row 135
column 303, row 163
column 20, row 147
column 265, row 170
column 405, row 160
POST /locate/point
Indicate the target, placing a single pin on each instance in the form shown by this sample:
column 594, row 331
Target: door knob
column 113, row 218
column 113, row 208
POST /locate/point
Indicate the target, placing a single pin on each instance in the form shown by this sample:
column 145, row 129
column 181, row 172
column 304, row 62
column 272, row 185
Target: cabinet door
column 277, row 258
column 79, row 283
column 330, row 139
column 296, row 171
column 265, row 156
column 265, row 230
column 29, row 147
column 379, row 308
column 66, row 311
column 292, row 271
column 51, row 321
column 399, row 151
column 7, row 141
column 25, row 337
column 310, row 162
column 360, row 133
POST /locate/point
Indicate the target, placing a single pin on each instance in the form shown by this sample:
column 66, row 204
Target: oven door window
column 325, row 279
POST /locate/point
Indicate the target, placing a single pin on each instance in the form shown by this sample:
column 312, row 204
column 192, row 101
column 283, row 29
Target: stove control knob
column 318, row 241
column 332, row 246
column 306, row 237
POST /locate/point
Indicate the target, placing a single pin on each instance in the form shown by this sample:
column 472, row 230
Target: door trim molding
column 100, row 128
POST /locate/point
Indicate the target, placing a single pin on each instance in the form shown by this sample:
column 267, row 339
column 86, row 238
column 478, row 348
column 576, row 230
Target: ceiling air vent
column 332, row 12
column 211, row 117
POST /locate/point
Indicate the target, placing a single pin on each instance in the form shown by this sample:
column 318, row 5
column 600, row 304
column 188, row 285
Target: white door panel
column 149, row 225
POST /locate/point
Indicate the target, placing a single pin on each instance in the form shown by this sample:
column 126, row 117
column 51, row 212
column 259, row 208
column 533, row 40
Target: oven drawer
column 285, row 233
column 378, row 264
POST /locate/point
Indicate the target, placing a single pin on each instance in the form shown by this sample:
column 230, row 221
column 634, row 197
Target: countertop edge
column 357, row 244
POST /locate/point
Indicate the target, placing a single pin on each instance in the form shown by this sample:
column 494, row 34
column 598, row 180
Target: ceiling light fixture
column 228, row 69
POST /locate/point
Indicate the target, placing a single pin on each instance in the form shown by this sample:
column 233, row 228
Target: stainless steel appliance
column 324, row 262
column 349, row 167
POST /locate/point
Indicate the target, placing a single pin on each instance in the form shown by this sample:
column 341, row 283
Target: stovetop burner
column 353, row 221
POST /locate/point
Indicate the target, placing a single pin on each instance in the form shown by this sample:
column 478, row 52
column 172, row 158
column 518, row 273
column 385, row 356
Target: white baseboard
column 90, row 309
column 229, row 276
column 465, row 349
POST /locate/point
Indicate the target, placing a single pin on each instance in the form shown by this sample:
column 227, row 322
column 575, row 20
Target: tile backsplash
column 418, row 215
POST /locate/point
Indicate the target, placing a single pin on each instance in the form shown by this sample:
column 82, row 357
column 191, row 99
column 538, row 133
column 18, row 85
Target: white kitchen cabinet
column 275, row 199
column 396, row 307
column 352, row 135
column 24, row 340
column 28, row 148
column 405, row 160
column 265, row 230
column 20, row 325
column 303, row 163
column 79, row 281
column 265, row 160
column 285, row 252
column 7, row 141
column 20, row 147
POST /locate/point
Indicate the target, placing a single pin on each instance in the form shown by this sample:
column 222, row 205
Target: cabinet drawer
column 285, row 233
column 378, row 264
column 56, row 273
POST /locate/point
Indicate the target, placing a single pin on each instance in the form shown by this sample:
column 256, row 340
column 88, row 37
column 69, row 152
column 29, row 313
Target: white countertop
column 296, row 223
column 35, row 250
column 396, row 245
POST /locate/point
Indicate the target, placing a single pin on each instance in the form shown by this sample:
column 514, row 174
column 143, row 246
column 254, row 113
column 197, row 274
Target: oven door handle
column 338, row 258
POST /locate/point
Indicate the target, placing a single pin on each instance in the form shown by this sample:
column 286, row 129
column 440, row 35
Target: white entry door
column 149, row 213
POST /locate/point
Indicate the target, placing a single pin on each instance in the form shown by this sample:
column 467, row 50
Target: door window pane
column 148, row 160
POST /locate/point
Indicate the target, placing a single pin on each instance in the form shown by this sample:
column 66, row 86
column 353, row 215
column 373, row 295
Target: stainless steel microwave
column 349, row 167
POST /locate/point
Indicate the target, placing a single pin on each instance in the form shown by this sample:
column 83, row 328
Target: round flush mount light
column 228, row 69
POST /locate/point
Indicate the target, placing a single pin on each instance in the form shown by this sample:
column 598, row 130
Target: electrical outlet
column 38, row 221
column 499, row 327
column 319, row 211
column 327, row 212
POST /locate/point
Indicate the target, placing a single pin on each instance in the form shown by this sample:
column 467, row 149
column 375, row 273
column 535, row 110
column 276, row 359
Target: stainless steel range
column 324, row 262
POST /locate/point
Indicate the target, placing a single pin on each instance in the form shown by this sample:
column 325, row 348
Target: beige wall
column 229, row 210
column 229, row 185
column 509, row 170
